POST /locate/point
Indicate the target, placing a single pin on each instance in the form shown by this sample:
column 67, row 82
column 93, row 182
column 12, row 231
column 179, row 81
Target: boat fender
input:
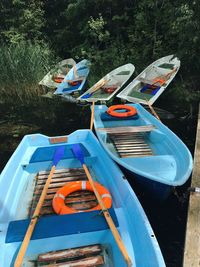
column 58, row 202
column 129, row 111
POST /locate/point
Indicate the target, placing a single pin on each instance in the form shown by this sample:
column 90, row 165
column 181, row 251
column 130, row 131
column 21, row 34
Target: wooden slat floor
column 130, row 145
column 89, row 256
column 80, row 200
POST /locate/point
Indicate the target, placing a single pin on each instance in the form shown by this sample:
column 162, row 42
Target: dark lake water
column 55, row 117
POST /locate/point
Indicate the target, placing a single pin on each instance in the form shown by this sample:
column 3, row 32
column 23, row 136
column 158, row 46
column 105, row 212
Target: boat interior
column 139, row 144
column 86, row 233
column 148, row 83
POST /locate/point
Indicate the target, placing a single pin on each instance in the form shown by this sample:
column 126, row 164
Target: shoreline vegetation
column 22, row 66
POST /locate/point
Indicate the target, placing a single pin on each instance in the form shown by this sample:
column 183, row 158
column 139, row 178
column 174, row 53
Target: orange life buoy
column 130, row 111
column 58, row 202
column 160, row 81
column 58, row 79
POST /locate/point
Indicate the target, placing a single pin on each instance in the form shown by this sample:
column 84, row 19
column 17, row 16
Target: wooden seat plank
column 69, row 253
column 128, row 129
column 86, row 262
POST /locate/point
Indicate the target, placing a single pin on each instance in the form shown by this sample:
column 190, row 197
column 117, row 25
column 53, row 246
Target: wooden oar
column 76, row 148
column 163, row 78
column 158, row 81
column 96, row 87
column 57, row 156
column 75, row 71
column 67, row 69
column 92, row 116
column 153, row 111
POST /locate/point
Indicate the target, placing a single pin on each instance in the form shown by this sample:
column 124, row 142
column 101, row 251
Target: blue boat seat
column 76, row 223
column 106, row 117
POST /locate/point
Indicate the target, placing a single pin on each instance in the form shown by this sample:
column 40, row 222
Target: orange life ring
column 74, row 83
column 160, row 81
column 58, row 202
column 58, row 79
column 130, row 111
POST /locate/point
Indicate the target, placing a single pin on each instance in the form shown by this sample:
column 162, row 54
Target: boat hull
column 24, row 175
column 144, row 89
column 60, row 70
column 77, row 76
column 153, row 152
column 110, row 84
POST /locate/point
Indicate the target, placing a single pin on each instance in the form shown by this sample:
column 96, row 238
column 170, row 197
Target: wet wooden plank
column 60, row 175
column 134, row 150
column 129, row 129
column 135, row 145
column 86, row 262
column 67, row 170
column 135, row 155
column 129, row 147
column 77, row 194
column 69, row 253
column 62, row 179
column 76, row 206
column 68, row 201
column 192, row 240
column 126, row 135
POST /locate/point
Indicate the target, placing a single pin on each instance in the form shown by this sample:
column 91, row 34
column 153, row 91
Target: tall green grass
column 22, row 66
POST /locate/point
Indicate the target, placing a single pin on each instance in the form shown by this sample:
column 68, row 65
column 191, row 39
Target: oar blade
column 78, row 152
column 59, row 153
column 88, row 95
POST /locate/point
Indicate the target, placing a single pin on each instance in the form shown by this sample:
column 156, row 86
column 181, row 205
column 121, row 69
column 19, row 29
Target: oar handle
column 92, row 116
column 166, row 76
column 75, row 71
column 31, row 227
column 109, row 219
column 98, row 85
column 153, row 111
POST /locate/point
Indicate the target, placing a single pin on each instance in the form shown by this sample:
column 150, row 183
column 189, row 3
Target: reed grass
column 22, row 66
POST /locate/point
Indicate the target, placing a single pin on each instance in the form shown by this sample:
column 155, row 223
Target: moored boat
column 109, row 85
column 80, row 236
column 75, row 80
column 55, row 76
column 144, row 146
column 152, row 81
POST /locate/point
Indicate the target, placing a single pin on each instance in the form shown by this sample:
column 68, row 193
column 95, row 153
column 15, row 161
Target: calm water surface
column 54, row 117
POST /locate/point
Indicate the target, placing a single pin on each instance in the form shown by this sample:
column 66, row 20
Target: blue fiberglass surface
column 47, row 153
column 132, row 223
column 82, row 71
column 45, row 227
column 169, row 152
column 106, row 117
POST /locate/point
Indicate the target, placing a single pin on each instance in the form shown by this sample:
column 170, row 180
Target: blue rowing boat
column 75, row 79
column 82, row 237
column 144, row 146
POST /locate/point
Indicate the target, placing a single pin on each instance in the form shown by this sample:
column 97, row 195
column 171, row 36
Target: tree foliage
column 109, row 33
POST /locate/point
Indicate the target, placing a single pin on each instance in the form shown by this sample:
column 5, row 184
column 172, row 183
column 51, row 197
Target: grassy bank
column 22, row 66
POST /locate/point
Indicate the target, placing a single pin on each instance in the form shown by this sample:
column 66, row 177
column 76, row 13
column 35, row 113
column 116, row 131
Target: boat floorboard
column 130, row 145
column 81, row 200
column 87, row 256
